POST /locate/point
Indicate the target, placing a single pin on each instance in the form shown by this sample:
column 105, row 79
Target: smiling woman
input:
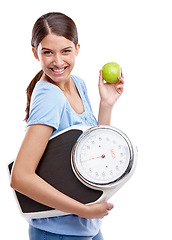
column 51, row 23
column 57, row 100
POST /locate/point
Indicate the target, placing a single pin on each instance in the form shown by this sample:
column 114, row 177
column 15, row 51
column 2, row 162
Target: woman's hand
column 110, row 92
column 97, row 210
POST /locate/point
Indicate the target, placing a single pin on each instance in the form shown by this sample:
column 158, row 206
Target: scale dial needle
column 102, row 156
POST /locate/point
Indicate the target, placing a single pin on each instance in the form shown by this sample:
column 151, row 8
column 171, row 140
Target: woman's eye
column 47, row 52
column 66, row 51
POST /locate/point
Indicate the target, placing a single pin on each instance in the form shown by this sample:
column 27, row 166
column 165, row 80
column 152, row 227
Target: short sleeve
column 47, row 105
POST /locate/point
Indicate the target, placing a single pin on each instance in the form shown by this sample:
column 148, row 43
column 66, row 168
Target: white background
column 137, row 35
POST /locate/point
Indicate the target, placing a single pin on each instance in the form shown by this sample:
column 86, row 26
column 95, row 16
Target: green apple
column 111, row 71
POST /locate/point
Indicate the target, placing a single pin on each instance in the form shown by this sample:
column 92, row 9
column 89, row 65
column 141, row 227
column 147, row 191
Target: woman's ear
column 77, row 48
column 35, row 53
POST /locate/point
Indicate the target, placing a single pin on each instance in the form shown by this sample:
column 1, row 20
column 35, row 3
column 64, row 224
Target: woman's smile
column 58, row 71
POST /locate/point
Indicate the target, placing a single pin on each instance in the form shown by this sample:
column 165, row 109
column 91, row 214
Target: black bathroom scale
column 88, row 164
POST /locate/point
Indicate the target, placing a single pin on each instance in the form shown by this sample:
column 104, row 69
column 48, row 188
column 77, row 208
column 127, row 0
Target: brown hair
column 53, row 22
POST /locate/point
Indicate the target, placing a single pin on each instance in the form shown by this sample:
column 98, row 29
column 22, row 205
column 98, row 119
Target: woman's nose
column 58, row 61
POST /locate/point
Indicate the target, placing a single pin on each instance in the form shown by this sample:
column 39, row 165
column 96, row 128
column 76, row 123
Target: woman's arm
column 25, row 180
column 109, row 94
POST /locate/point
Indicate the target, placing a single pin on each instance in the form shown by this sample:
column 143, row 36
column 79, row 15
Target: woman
column 57, row 100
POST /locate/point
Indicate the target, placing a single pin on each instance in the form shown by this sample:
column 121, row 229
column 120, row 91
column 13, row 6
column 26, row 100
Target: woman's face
column 57, row 57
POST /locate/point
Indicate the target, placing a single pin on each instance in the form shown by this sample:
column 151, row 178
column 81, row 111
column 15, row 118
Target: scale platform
column 55, row 167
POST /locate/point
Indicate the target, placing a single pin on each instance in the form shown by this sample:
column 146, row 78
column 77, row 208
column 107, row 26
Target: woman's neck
column 66, row 86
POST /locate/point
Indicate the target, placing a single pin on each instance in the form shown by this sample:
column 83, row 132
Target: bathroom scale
column 88, row 164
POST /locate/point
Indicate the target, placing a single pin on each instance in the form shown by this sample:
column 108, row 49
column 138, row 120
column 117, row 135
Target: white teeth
column 58, row 70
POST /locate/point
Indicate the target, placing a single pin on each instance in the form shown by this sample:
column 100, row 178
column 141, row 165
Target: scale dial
column 102, row 156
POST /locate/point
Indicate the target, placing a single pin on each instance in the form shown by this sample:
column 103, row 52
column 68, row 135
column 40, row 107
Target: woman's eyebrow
column 46, row 49
column 66, row 48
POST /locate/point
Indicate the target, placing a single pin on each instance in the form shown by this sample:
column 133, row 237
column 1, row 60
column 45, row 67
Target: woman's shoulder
column 43, row 85
column 44, row 89
column 47, row 105
column 47, row 95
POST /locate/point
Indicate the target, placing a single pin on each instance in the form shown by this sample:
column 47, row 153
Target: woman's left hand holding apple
column 109, row 94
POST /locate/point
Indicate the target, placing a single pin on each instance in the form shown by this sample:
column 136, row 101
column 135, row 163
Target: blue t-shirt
column 49, row 106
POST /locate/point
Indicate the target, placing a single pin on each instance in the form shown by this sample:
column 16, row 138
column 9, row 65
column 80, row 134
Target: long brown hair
column 53, row 22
